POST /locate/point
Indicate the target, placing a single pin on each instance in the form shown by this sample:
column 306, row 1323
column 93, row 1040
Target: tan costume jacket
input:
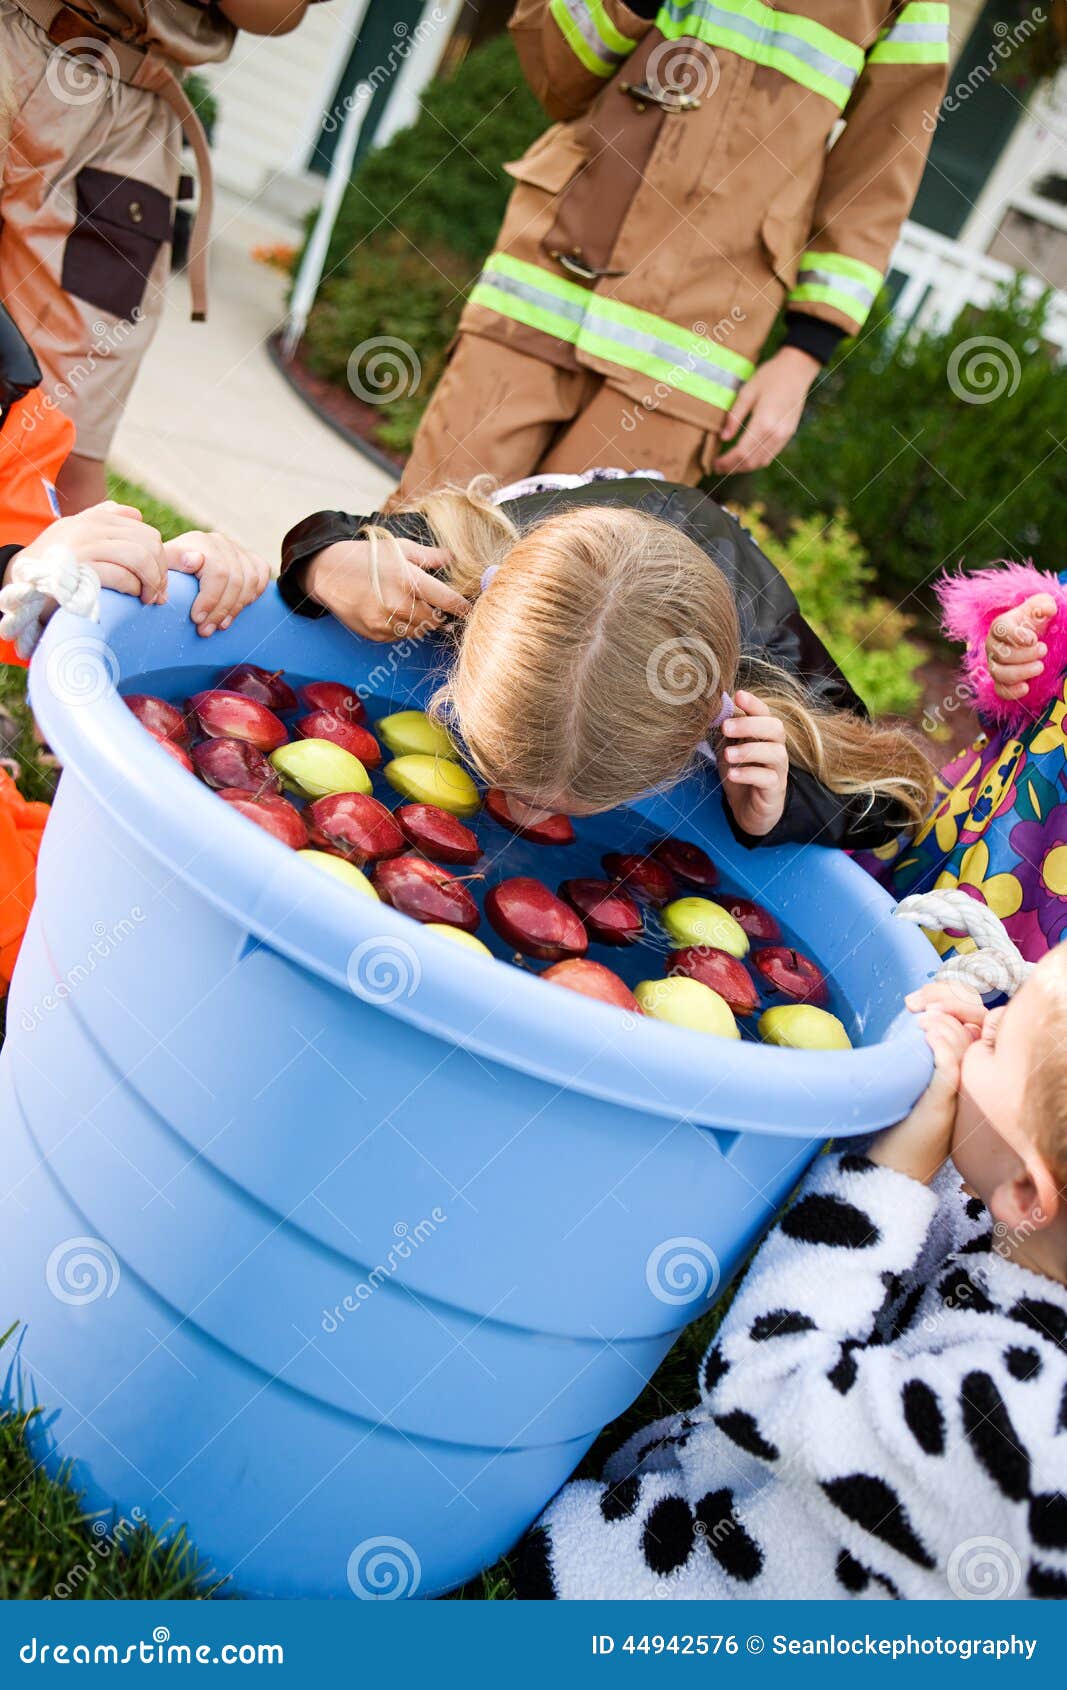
column 706, row 168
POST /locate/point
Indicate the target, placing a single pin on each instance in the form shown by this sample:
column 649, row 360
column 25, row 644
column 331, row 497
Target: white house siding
column 273, row 93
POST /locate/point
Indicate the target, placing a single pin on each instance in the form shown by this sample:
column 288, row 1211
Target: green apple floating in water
column 700, row 921
column 426, row 779
column 411, row 732
column 686, row 1003
column 341, row 869
column 800, row 1026
column 315, row 768
column 468, row 940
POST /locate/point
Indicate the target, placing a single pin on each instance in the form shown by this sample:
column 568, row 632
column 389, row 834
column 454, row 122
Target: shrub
column 826, row 566
column 414, row 225
column 943, row 446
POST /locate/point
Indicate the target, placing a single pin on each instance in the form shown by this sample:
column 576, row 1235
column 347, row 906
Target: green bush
column 942, row 452
column 827, row 568
column 414, row 225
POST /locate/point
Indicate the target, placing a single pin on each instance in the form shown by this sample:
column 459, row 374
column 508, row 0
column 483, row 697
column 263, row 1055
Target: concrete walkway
column 212, row 427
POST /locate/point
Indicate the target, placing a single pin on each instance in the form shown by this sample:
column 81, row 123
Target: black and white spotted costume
column 883, row 1414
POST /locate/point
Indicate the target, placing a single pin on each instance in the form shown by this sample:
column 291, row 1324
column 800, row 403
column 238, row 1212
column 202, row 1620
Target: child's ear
column 1030, row 1200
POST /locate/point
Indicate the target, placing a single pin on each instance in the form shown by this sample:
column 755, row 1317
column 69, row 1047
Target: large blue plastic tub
column 331, row 1239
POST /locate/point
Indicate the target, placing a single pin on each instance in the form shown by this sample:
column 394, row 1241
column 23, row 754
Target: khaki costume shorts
column 89, row 170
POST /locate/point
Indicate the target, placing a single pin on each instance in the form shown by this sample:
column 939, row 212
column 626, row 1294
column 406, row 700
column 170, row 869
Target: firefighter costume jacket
column 712, row 161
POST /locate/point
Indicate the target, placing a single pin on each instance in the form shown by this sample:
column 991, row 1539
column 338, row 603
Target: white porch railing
column 942, row 277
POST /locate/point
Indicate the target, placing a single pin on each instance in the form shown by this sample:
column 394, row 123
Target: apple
column 686, row 1003
column 699, row 921
column 757, row 922
column 272, row 813
column 593, row 980
column 162, row 720
column 264, row 685
column 532, row 919
column 313, row 768
column 178, row 752
column 609, row 913
column 323, row 724
column 437, row 834
column 341, row 870
column 433, row 780
column 408, row 732
column 719, row 970
column 644, row 878
column 550, row 830
column 234, row 763
column 425, row 892
column 792, row 973
column 356, row 826
column 686, row 860
column 231, row 715
column 336, row 697
column 469, row 941
column 800, row 1026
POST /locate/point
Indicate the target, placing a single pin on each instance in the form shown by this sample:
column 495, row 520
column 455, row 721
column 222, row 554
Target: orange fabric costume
column 21, row 827
column 35, row 441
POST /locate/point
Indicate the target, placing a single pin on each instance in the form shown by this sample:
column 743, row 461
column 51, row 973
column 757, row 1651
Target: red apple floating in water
column 272, row 813
column 426, row 892
column 323, row 724
column 178, row 752
column 335, row 697
column 687, row 861
column 724, row 973
column 643, row 877
column 757, row 922
column 609, row 913
column 593, row 980
column 438, row 834
column 235, row 764
column 161, row 719
column 230, row 715
column 264, row 685
column 551, row 830
column 356, row 826
column 792, row 973
column 532, row 919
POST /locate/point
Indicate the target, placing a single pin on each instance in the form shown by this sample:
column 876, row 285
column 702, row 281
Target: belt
column 140, row 67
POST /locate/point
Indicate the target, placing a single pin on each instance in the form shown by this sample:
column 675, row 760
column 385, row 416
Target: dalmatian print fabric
column 883, row 1415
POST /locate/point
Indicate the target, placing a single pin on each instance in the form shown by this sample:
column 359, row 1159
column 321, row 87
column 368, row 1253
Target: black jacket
column 771, row 626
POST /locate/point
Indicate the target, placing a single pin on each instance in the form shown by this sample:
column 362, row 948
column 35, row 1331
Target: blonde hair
column 1044, row 1106
column 589, row 671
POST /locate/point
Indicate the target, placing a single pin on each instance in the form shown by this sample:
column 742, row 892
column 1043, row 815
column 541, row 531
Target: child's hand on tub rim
column 231, row 577
column 952, row 1016
column 754, row 765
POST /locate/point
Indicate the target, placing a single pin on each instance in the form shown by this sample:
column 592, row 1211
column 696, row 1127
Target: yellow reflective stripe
column 805, row 51
column 919, row 36
column 609, row 329
column 591, row 35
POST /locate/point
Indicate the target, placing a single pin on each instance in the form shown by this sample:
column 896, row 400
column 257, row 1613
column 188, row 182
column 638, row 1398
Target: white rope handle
column 996, row 967
column 37, row 586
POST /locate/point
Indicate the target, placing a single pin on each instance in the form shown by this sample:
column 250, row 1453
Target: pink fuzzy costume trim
column 970, row 605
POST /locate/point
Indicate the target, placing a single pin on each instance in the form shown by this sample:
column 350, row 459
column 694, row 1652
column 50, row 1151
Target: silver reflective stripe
column 624, row 334
column 780, row 40
column 841, row 284
column 585, row 24
column 541, row 297
column 909, row 32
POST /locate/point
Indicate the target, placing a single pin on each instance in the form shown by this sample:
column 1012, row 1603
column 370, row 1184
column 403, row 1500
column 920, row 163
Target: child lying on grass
column 884, row 1410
